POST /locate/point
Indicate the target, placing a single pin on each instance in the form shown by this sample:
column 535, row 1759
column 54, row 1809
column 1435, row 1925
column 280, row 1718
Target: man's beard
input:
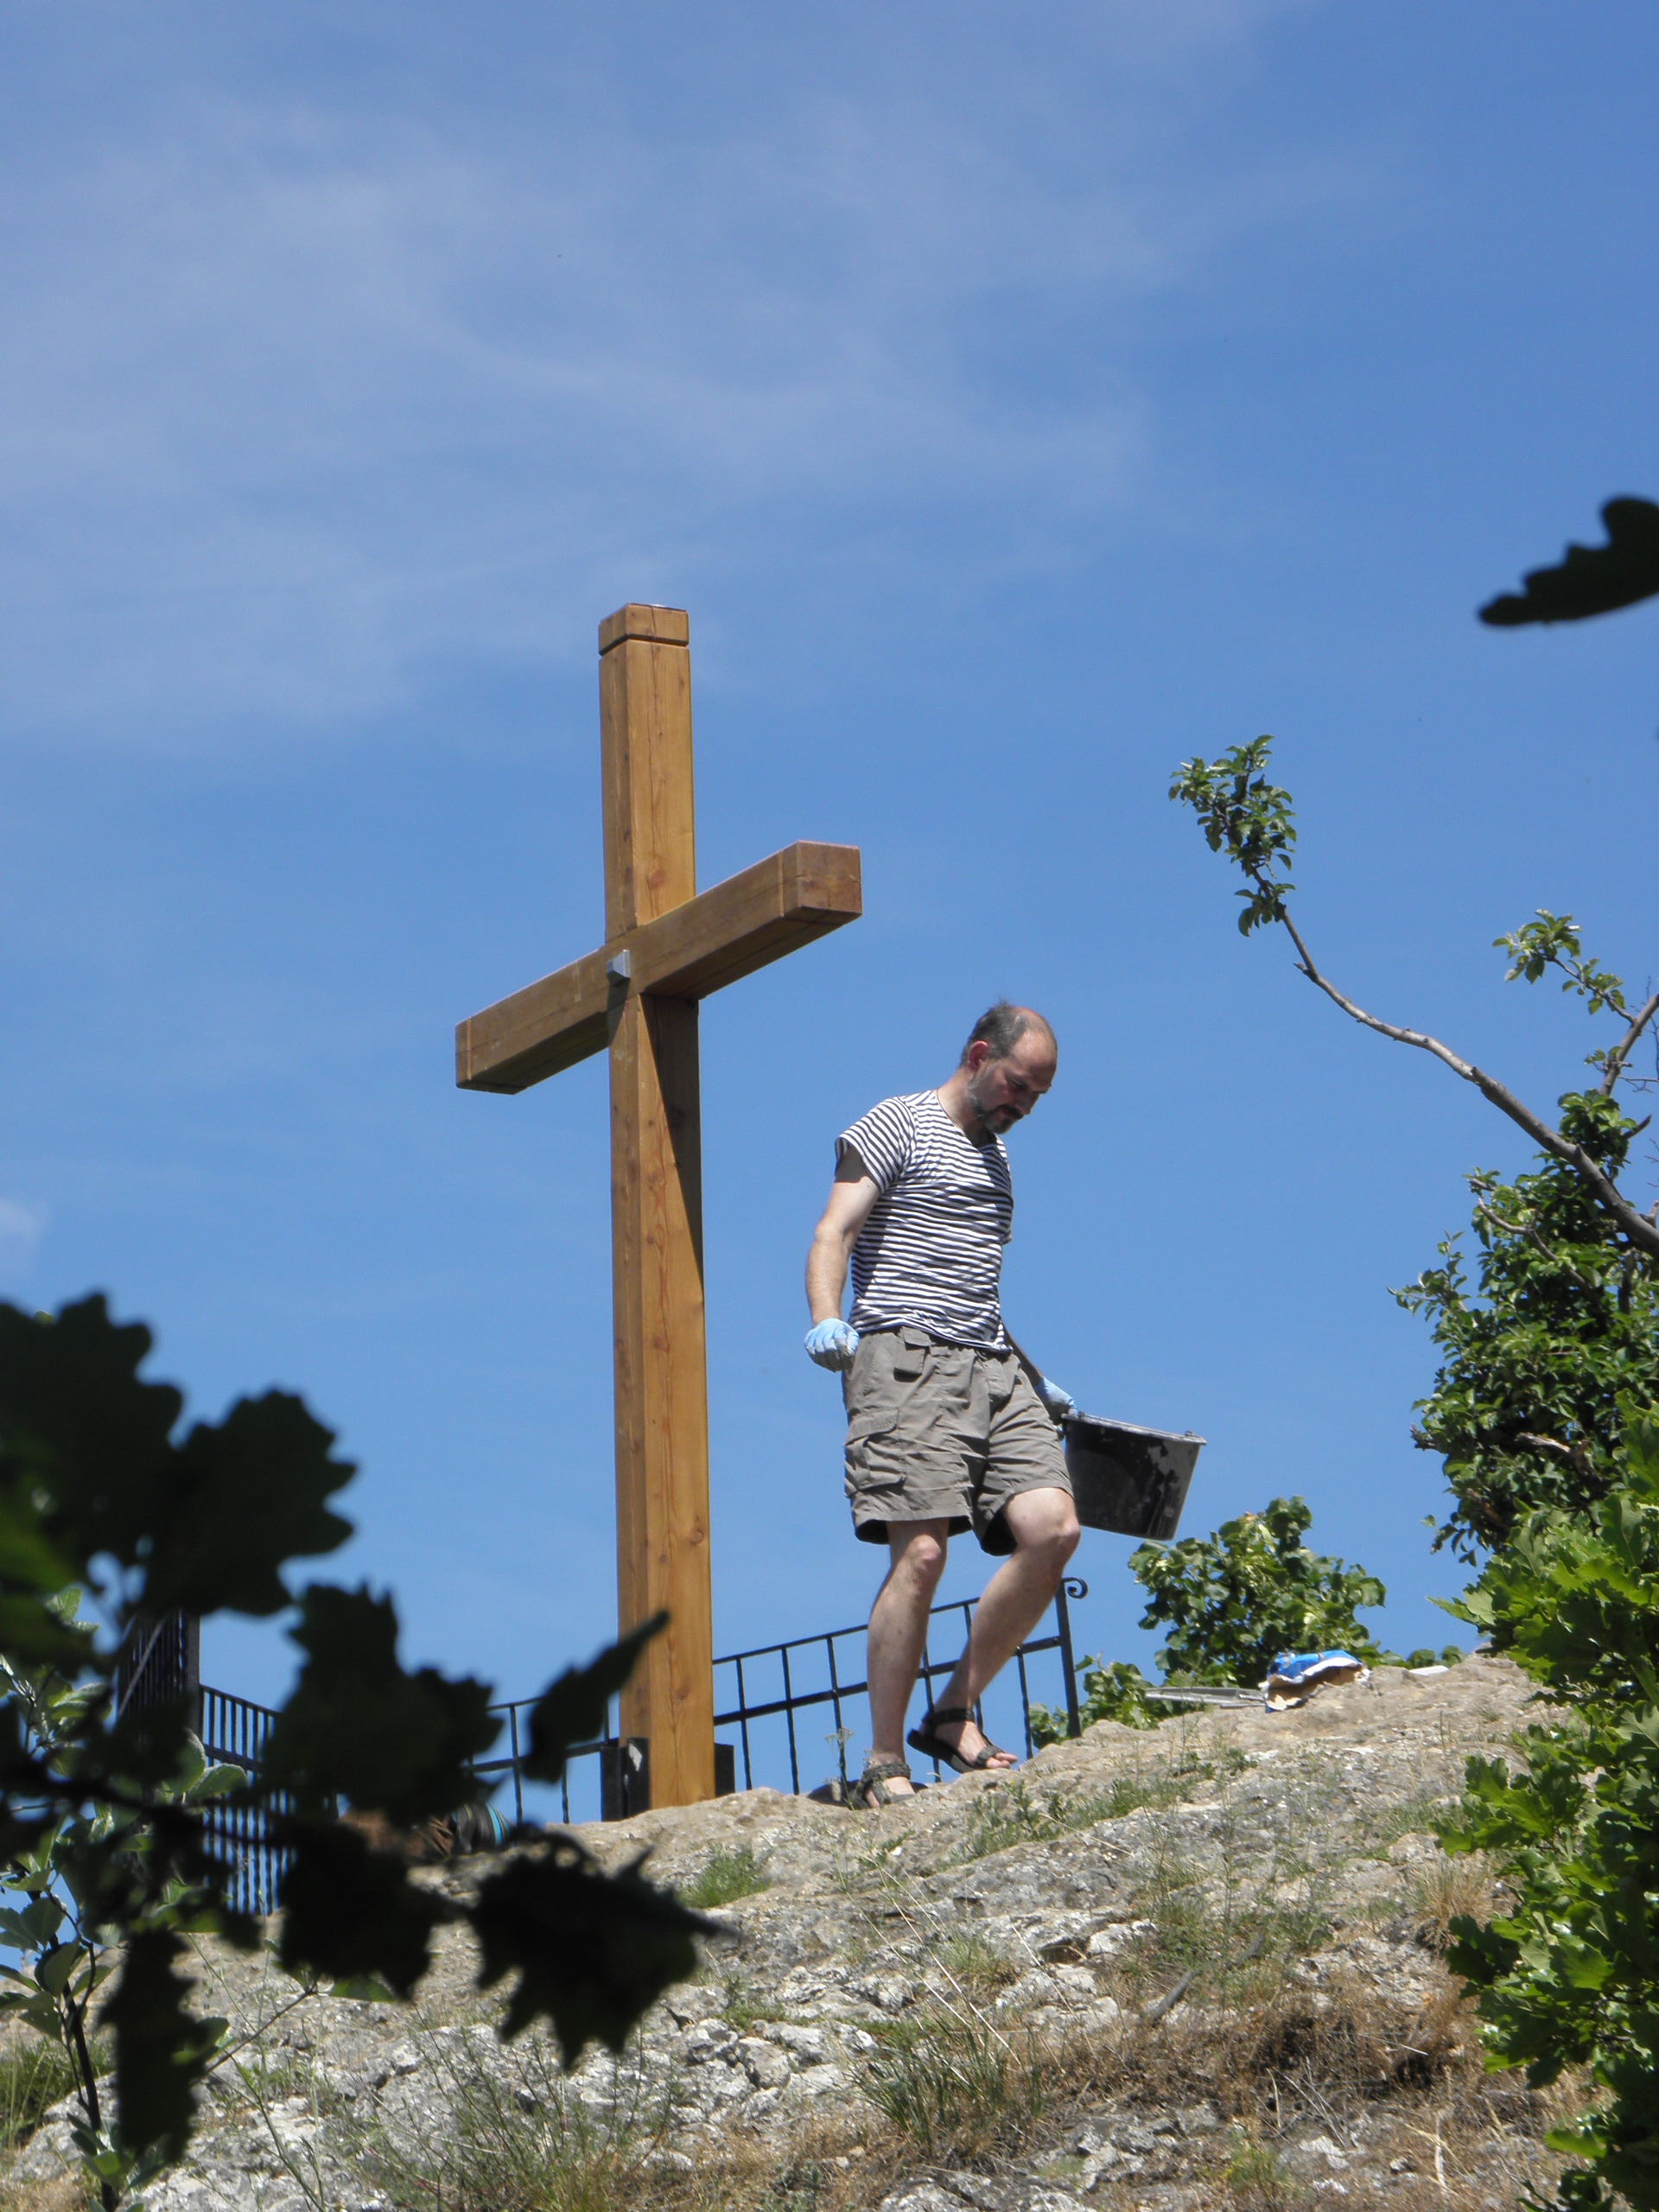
column 983, row 1114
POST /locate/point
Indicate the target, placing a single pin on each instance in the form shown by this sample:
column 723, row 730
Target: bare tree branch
column 1640, row 1230
column 1621, row 1052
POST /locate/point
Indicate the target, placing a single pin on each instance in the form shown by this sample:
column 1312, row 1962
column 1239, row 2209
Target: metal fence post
column 1063, row 1621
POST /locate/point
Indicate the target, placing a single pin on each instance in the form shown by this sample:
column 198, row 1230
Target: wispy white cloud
column 296, row 401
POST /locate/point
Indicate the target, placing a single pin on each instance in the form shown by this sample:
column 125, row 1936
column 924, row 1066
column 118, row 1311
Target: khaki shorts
column 939, row 1432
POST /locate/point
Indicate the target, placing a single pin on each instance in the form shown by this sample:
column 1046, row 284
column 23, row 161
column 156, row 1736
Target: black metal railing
column 836, row 1692
column 838, row 1687
column 233, row 1733
column 811, row 1672
column 159, row 1661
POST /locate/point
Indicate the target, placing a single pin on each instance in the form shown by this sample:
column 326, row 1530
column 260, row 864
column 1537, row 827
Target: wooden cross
column 665, row 947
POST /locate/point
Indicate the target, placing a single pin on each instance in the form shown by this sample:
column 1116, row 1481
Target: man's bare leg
column 899, row 1633
column 1044, row 1526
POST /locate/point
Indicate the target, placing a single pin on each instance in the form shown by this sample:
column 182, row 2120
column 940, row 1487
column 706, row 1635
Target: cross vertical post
column 666, row 947
column 661, row 1402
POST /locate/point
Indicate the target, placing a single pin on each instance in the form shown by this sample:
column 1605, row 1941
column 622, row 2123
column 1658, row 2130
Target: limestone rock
column 1287, row 1847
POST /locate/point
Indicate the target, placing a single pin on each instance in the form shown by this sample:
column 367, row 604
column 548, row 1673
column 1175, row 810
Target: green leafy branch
column 1545, row 1349
column 1252, row 821
column 1568, row 1973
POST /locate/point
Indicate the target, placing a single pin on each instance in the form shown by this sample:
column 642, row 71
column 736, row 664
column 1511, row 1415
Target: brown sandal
column 925, row 1737
column 870, row 1792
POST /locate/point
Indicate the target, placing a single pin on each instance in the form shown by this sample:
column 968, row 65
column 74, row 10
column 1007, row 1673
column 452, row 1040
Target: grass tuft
column 518, row 2136
column 518, row 2142
column 976, row 1968
column 1447, row 1889
column 955, row 2086
column 1008, row 1813
column 1414, row 1816
column 34, row 2073
column 1258, row 2177
column 725, row 1876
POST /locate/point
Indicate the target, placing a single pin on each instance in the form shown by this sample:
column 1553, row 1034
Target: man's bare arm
column 832, row 1243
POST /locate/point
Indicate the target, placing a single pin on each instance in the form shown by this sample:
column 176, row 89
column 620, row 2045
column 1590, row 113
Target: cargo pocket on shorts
column 866, row 1433
column 910, row 1354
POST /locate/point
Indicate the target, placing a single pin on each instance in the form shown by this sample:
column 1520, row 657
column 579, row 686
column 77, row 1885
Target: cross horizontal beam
column 780, row 903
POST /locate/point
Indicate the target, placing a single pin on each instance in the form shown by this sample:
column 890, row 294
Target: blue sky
column 1020, row 400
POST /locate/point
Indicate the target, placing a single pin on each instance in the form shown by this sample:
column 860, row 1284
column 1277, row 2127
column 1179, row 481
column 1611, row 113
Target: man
column 949, row 1426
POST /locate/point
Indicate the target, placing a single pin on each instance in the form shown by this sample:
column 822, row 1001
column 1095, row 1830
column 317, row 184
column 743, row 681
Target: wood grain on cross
column 665, row 947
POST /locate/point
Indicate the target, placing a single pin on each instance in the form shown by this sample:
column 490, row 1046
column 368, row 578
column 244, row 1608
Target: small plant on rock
column 34, row 2073
column 1111, row 1691
column 727, row 1876
column 1008, row 1812
column 974, row 1966
column 1259, row 2177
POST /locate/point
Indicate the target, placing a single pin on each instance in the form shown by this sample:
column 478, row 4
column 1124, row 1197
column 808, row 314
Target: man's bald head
column 1006, row 1066
column 1001, row 1026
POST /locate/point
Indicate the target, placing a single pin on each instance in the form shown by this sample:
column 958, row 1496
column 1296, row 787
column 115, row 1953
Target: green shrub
column 1569, row 1974
column 1236, row 1600
column 1560, row 1325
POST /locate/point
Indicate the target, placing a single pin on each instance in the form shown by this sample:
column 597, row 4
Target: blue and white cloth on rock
column 1295, row 1676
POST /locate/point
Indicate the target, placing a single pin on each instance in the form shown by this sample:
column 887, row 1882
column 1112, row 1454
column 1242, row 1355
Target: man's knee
column 1044, row 1525
column 920, row 1553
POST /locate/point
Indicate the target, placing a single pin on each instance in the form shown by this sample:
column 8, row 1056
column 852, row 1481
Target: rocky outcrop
column 1197, row 1966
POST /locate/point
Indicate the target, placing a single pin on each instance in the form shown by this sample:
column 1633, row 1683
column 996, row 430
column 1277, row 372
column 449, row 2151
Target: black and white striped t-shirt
column 931, row 1254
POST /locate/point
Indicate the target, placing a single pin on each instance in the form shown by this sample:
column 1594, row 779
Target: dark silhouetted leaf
column 210, row 1521
column 592, row 1951
column 75, row 1418
column 1591, row 578
column 359, row 1727
column 160, row 2049
column 349, row 1910
column 573, row 1709
column 102, row 1820
column 245, row 1496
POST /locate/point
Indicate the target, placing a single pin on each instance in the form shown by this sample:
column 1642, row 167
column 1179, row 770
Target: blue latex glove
column 832, row 1343
column 1059, row 1402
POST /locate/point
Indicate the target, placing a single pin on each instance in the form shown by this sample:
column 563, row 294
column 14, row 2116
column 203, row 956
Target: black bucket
column 1131, row 1481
